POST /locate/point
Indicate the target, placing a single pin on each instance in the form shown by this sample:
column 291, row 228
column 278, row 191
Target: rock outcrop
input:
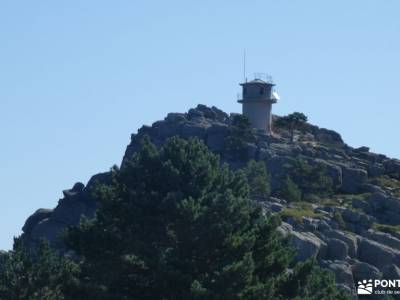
column 342, row 236
column 49, row 224
column 308, row 245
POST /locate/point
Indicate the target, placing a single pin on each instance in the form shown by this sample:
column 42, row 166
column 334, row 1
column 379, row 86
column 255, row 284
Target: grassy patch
column 386, row 228
column 350, row 197
column 343, row 199
column 361, row 196
column 298, row 213
column 387, row 182
column 303, row 205
column 332, row 201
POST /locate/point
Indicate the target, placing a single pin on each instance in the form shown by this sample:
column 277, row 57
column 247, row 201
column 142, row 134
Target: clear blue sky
column 78, row 77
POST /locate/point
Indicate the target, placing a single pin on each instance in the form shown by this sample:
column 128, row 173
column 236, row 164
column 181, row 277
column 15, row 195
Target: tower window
column 244, row 91
column 261, row 91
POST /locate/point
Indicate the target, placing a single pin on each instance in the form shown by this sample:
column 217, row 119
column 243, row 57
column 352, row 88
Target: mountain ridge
column 343, row 232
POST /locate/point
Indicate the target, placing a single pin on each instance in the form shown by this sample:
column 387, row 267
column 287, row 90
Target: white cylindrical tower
column 257, row 100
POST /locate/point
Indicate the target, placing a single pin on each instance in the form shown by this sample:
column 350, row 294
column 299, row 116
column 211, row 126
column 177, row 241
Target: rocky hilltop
column 355, row 231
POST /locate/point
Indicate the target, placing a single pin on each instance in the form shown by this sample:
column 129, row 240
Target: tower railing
column 239, row 96
column 264, row 76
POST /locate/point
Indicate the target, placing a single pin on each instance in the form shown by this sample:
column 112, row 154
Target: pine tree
column 310, row 179
column 174, row 224
column 44, row 275
column 292, row 122
column 258, row 179
column 241, row 133
column 290, row 191
column 309, row 282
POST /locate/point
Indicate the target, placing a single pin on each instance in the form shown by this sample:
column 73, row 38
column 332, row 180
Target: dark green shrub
column 37, row 276
column 258, row 179
column 337, row 216
column 241, row 133
column 310, row 178
column 290, row 191
column 292, row 122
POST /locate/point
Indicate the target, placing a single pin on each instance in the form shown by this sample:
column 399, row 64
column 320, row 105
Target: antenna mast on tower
column 244, row 66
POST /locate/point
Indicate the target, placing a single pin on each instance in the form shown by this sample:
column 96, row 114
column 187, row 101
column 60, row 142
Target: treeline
column 174, row 224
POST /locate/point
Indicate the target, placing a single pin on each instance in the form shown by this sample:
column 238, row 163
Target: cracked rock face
column 353, row 250
column 308, row 245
